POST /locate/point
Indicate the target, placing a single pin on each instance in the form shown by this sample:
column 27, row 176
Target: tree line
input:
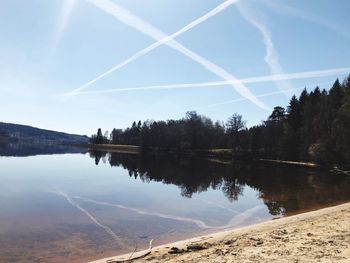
column 314, row 127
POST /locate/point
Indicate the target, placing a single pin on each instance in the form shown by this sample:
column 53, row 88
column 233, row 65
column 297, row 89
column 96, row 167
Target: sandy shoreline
column 317, row 236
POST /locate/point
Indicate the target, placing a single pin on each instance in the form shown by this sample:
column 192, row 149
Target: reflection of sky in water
column 114, row 203
column 77, row 175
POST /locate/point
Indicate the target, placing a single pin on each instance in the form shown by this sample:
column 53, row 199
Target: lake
column 77, row 207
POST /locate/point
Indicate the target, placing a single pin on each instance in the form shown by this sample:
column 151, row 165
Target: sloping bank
column 318, row 236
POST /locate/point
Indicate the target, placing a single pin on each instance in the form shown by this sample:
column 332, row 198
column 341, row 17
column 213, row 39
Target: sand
column 318, row 236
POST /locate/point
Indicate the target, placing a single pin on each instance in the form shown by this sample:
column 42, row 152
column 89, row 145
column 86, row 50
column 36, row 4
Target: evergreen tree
column 314, row 127
column 99, row 137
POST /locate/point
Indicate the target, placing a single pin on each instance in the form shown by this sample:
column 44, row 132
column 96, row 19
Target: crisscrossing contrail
column 259, row 96
column 130, row 19
column 258, row 79
column 158, row 43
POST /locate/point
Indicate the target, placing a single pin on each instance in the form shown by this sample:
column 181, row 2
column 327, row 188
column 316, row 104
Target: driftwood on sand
column 134, row 255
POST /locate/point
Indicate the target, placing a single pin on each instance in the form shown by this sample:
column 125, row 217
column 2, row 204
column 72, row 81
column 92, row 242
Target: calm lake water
column 82, row 206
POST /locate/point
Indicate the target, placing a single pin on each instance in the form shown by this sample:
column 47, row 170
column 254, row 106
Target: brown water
column 65, row 208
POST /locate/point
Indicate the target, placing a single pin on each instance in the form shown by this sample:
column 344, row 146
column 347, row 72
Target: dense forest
column 314, row 127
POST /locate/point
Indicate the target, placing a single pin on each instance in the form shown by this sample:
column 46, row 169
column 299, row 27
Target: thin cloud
column 160, row 42
column 65, row 14
column 313, row 18
column 259, row 79
column 137, row 23
column 271, row 57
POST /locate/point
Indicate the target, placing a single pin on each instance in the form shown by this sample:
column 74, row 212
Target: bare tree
column 234, row 125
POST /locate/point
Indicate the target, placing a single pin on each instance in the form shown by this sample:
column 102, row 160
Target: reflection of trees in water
column 232, row 189
column 284, row 189
column 98, row 155
column 191, row 175
column 288, row 189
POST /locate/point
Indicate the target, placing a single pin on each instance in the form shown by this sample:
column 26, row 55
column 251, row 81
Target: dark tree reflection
column 97, row 155
column 232, row 189
column 284, row 189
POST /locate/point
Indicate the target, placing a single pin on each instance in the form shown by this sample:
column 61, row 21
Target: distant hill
column 15, row 133
column 30, row 149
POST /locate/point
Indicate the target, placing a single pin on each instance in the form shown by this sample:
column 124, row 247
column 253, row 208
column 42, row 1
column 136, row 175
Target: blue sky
column 48, row 49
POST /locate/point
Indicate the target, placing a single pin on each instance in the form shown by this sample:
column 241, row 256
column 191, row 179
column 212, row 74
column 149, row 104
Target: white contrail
column 133, row 21
column 313, row 18
column 258, row 96
column 243, row 99
column 162, row 41
column 67, row 8
column 93, row 219
column 259, row 79
column 271, row 57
